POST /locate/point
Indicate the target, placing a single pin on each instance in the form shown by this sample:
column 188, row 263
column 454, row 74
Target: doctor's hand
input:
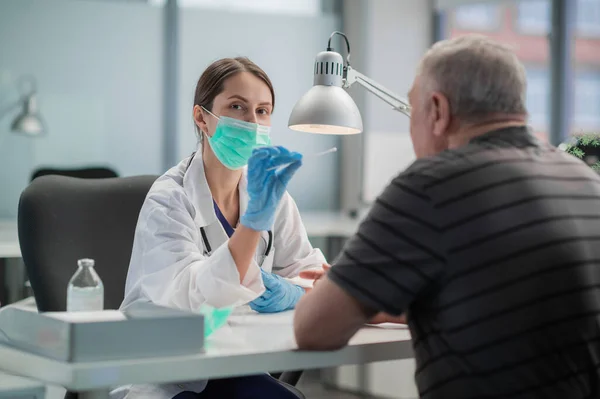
column 280, row 295
column 269, row 171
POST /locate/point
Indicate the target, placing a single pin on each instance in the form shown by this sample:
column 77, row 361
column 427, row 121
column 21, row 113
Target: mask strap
column 202, row 106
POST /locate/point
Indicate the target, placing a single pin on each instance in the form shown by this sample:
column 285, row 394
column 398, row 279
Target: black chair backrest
column 63, row 219
column 83, row 173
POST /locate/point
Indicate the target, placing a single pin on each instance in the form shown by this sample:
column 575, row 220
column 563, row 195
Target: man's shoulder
column 427, row 170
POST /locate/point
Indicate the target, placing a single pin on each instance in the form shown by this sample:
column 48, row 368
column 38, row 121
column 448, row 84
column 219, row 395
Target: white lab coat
column 169, row 265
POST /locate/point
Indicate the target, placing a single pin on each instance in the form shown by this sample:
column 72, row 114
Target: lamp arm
column 398, row 103
column 5, row 110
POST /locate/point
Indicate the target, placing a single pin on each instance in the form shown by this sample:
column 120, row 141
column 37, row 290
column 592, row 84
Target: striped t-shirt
column 493, row 250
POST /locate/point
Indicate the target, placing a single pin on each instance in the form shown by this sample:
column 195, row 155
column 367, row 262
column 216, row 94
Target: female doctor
column 214, row 232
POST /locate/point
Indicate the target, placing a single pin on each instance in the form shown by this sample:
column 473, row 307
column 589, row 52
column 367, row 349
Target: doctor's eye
column 263, row 111
column 237, row 107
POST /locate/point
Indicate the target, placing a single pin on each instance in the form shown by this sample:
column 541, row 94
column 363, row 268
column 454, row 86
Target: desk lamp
column 327, row 108
column 28, row 121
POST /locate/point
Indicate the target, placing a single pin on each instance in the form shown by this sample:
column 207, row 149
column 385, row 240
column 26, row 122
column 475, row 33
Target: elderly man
column 489, row 243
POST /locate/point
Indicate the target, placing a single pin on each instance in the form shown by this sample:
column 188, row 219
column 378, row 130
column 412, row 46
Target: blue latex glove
column 280, row 295
column 266, row 187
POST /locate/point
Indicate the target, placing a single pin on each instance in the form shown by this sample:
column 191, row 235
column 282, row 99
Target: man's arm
column 328, row 317
column 395, row 256
column 317, row 275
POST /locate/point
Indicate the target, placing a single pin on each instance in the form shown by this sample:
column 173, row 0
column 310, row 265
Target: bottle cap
column 85, row 262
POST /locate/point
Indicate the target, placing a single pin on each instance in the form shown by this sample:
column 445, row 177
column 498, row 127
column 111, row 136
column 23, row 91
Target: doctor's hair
column 478, row 76
column 212, row 80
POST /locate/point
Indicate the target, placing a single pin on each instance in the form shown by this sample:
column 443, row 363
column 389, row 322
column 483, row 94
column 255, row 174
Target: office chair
column 99, row 172
column 62, row 219
column 82, row 173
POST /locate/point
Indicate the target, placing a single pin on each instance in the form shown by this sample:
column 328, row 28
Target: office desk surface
column 9, row 239
column 249, row 344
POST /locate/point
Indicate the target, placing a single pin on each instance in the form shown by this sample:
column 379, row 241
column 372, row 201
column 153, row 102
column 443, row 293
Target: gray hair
column 479, row 77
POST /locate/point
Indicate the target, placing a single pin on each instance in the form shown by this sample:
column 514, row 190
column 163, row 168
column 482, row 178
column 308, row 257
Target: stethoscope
column 208, row 247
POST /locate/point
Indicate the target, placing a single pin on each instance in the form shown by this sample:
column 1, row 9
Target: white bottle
column 85, row 291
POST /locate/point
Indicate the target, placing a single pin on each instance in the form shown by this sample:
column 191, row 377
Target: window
column 532, row 50
column 537, row 97
column 586, row 112
column 588, row 17
column 480, row 17
column 298, row 7
column 534, row 16
column 585, row 78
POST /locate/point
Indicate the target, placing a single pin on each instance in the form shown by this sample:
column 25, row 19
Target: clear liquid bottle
column 85, row 291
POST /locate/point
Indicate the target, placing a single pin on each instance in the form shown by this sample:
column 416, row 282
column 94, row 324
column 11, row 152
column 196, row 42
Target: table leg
column 15, row 279
column 98, row 394
column 3, row 284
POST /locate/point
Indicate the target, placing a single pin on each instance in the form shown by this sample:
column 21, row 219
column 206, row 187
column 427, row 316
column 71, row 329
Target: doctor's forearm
column 242, row 246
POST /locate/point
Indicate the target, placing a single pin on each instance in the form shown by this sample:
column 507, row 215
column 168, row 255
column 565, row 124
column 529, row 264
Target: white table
column 330, row 223
column 9, row 239
column 247, row 345
column 18, row 387
column 334, row 226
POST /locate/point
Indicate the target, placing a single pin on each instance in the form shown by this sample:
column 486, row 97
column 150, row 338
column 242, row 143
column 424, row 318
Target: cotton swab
column 319, row 154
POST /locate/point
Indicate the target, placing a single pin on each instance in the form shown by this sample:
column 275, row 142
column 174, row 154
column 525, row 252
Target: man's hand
column 386, row 318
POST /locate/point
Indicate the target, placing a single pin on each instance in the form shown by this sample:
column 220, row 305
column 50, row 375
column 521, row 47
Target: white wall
column 285, row 47
column 100, row 76
column 401, row 32
column 99, row 71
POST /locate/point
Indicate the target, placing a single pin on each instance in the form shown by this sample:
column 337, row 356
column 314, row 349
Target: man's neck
column 467, row 132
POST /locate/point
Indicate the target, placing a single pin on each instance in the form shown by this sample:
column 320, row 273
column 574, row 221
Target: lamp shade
column 29, row 121
column 327, row 108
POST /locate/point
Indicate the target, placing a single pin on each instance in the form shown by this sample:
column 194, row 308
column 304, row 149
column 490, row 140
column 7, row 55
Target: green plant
column 583, row 140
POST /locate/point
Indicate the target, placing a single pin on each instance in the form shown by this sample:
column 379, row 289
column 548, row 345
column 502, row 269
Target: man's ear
column 442, row 115
column 199, row 119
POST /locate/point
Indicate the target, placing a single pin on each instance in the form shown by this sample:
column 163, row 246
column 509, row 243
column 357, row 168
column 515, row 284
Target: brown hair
column 212, row 80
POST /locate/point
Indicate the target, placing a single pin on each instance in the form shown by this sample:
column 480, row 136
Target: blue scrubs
column 228, row 229
column 251, row 387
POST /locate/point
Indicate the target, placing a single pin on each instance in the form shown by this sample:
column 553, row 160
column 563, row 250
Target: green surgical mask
column 234, row 140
